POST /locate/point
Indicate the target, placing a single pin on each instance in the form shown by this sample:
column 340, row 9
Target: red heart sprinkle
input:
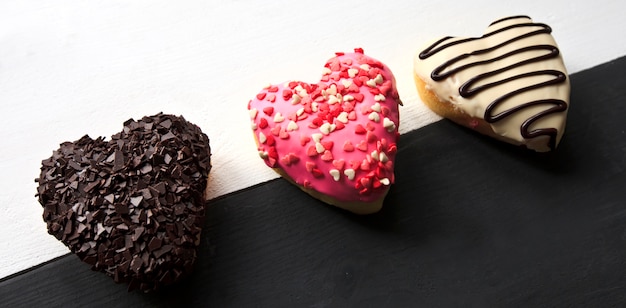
column 339, row 164
column 359, row 129
column 262, row 123
column 348, row 147
column 327, row 156
column 362, row 146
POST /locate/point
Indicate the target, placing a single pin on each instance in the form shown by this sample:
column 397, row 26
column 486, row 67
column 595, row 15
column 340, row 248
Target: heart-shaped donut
column 335, row 139
column 510, row 83
column 132, row 207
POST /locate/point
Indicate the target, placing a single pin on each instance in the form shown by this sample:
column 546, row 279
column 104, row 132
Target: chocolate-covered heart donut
column 132, row 207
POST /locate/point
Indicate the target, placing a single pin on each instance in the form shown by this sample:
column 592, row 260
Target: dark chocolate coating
column 132, row 207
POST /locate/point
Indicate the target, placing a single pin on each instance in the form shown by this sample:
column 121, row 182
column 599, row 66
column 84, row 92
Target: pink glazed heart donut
column 335, row 139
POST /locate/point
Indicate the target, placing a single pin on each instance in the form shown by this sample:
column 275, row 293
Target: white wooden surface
column 69, row 68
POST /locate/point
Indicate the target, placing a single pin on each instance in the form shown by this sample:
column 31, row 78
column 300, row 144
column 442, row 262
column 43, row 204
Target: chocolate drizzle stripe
column 509, row 18
column 442, row 72
column 431, row 50
column 466, row 89
column 437, row 75
column 559, row 106
column 494, row 118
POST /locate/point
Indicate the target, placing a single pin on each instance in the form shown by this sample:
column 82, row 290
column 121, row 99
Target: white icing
column 475, row 106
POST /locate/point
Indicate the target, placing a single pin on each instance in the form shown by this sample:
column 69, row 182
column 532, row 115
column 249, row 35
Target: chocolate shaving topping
column 132, row 207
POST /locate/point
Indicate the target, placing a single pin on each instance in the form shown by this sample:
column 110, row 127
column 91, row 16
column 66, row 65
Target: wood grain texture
column 470, row 222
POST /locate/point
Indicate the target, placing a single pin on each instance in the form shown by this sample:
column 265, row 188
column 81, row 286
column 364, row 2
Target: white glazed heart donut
column 510, row 83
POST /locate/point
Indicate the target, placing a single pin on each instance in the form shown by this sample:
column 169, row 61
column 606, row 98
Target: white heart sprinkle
column 346, row 82
column 376, row 107
column 319, row 148
column 383, row 157
column 379, row 98
column 374, row 155
column 292, row 126
column 365, row 67
column 253, row 113
column 332, row 100
column 349, row 173
column 371, row 83
column 379, row 79
column 384, row 181
column 335, row 174
column 325, row 128
column 332, row 90
column 295, row 99
column 326, row 71
column 317, row 137
column 278, row 118
column 374, row 116
column 389, row 125
column 263, row 154
column 343, row 117
column 348, row 98
column 262, row 137
column 352, row 72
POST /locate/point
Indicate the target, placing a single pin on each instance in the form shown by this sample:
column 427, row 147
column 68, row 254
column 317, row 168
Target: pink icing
column 354, row 109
